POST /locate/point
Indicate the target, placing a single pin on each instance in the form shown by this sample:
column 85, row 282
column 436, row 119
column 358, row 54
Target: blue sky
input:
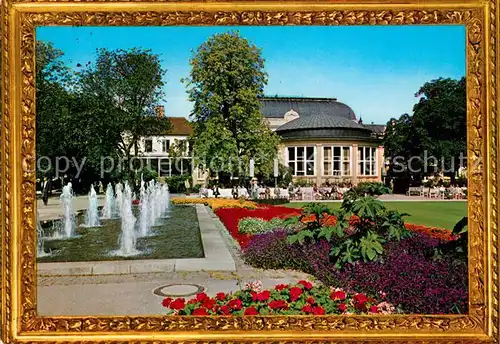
column 376, row 70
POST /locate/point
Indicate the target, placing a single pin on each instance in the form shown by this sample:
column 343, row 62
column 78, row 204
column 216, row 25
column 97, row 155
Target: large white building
column 155, row 149
column 322, row 141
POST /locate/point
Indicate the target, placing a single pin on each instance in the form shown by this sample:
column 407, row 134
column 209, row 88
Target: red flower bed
column 300, row 299
column 231, row 216
column 433, row 232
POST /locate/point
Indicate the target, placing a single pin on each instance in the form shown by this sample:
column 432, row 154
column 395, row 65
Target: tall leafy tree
column 226, row 80
column 437, row 129
column 53, row 102
column 124, row 88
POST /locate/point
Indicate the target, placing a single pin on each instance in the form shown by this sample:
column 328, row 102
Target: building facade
column 156, row 150
column 322, row 141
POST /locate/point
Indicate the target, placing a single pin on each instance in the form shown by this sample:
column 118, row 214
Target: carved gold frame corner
column 19, row 319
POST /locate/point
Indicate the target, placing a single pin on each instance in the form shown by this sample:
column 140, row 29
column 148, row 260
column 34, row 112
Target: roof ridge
column 298, row 98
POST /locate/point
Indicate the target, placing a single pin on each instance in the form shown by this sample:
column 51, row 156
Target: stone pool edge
column 217, row 258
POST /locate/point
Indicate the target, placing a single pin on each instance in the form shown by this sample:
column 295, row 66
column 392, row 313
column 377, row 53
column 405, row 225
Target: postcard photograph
column 245, row 171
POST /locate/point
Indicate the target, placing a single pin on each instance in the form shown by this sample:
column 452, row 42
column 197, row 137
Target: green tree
column 226, row 80
column 124, row 87
column 437, row 129
column 53, row 103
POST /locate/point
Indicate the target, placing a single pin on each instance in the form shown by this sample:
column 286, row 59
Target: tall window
column 148, row 145
column 165, row 167
column 301, row 161
column 336, row 161
column 367, row 161
column 165, row 145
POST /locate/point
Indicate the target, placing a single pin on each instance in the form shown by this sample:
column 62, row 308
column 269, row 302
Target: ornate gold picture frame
column 19, row 319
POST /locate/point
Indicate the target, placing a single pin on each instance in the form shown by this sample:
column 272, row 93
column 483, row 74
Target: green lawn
column 177, row 237
column 437, row 214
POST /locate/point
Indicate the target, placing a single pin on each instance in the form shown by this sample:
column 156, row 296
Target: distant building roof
column 276, row 107
column 180, row 126
column 379, row 129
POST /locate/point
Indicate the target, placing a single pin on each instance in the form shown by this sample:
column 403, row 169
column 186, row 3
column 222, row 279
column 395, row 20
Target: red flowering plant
column 444, row 235
column 302, row 298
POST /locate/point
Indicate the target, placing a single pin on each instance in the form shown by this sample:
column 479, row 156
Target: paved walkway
column 54, row 209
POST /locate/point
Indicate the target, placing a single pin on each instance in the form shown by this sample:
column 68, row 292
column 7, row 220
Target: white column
column 318, row 157
column 354, row 173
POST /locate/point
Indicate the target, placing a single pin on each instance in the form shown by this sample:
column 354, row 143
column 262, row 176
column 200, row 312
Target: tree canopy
column 100, row 111
column 124, row 88
column 226, row 80
column 437, row 129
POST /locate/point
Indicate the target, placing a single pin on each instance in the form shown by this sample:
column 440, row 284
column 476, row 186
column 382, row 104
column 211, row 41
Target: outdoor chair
column 434, row 193
column 307, row 195
column 284, row 194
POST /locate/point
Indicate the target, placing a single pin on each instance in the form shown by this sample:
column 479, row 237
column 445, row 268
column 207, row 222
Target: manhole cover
column 178, row 290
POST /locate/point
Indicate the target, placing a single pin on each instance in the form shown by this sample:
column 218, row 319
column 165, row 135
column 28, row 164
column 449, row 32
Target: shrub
column 252, row 225
column 361, row 239
column 176, row 183
column 372, row 188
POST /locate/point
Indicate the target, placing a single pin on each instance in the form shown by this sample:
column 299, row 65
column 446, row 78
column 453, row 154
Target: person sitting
column 204, row 192
column 327, row 192
column 298, row 193
column 242, row 192
column 335, row 191
column 316, row 194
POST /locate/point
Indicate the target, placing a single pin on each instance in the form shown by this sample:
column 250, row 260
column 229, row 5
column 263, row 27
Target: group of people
column 258, row 191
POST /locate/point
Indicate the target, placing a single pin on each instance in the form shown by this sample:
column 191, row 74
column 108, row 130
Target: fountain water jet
column 144, row 226
column 40, row 234
column 92, row 215
column 109, row 204
column 68, row 221
column 119, row 199
column 128, row 236
column 151, row 203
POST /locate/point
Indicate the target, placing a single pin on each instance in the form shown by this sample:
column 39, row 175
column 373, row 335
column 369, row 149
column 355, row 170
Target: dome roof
column 323, row 126
column 276, row 107
column 321, row 121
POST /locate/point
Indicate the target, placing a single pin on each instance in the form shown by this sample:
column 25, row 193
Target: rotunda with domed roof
column 323, row 141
